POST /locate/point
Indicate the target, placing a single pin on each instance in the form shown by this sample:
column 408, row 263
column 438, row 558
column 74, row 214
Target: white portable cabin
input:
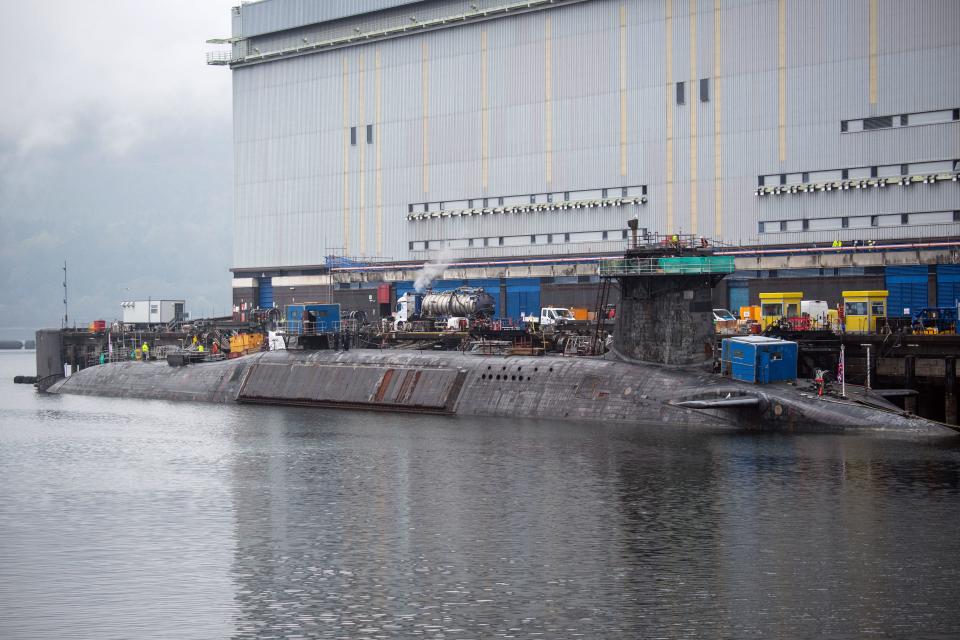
column 152, row 311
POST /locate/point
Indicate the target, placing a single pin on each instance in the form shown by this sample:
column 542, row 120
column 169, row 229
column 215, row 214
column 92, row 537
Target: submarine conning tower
column 665, row 314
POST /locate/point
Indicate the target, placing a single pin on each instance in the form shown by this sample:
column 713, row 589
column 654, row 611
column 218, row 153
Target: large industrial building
column 513, row 140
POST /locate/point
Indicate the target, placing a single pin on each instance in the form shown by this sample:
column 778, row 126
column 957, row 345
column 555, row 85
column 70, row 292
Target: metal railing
column 219, row 57
column 666, row 266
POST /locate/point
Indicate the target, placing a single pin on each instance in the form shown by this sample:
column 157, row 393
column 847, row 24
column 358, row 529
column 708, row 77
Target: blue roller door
column 739, row 297
column 523, row 297
column 908, row 289
column 948, row 285
column 265, row 298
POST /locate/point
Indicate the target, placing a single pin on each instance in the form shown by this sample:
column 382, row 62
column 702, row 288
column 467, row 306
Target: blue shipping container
column 326, row 317
column 759, row 359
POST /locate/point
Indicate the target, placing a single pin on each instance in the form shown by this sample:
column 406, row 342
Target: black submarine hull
column 515, row 387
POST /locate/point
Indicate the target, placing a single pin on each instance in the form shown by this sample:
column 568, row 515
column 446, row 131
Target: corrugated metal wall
column 577, row 97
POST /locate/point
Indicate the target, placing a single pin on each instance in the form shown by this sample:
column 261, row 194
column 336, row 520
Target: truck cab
column 550, row 317
column 407, row 310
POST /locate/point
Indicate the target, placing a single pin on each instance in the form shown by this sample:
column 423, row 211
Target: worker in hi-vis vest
column 146, row 351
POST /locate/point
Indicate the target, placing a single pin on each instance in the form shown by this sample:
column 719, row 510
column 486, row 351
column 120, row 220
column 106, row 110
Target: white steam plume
column 431, row 271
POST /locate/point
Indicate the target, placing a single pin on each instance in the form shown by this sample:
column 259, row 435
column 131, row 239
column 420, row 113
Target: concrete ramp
column 429, row 390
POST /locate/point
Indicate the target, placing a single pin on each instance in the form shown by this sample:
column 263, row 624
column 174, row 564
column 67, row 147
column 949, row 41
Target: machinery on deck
column 456, row 308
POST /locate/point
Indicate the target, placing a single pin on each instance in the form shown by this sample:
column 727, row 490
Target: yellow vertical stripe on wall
column 874, row 46
column 782, row 73
column 623, row 89
column 669, row 105
column 346, row 157
column 693, row 117
column 548, row 99
column 717, row 165
column 376, row 143
column 484, row 115
column 362, row 144
column 425, row 92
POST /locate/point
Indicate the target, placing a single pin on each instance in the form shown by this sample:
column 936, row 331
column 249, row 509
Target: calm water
column 132, row 519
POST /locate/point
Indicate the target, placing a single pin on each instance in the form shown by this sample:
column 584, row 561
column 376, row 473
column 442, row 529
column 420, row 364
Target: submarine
column 658, row 370
column 452, row 383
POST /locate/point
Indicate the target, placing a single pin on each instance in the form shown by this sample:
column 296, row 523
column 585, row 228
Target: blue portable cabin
column 759, row 359
column 326, row 317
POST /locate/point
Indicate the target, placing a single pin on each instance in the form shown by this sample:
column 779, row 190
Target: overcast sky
column 115, row 155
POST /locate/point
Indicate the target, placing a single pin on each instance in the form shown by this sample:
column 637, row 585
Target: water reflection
column 129, row 519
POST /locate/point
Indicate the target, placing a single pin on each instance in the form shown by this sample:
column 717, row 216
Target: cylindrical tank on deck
column 465, row 301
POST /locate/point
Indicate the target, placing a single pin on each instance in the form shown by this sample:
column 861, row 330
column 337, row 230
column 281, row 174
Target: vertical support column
column 909, row 381
column 950, row 390
column 376, row 141
column 668, row 38
column 346, row 156
column 874, row 46
column 362, row 144
column 782, row 75
column 717, row 164
column 623, row 89
column 694, row 88
column 548, row 100
column 425, row 94
column 484, row 115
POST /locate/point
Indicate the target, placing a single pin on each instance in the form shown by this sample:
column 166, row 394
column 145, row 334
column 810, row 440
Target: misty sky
column 115, row 155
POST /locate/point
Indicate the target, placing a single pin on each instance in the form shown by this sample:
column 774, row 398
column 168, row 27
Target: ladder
column 603, row 296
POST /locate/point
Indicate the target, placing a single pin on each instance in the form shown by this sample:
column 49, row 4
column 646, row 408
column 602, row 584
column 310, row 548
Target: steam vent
column 665, row 314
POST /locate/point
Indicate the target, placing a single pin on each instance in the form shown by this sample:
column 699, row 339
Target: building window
column 783, row 178
column 878, row 122
column 426, row 244
column 844, row 223
column 956, row 216
column 681, row 98
column 904, row 120
column 805, row 177
column 904, row 169
column 369, row 134
column 759, row 181
column 844, row 174
column 549, row 238
column 783, row 225
column 623, row 234
column 843, row 126
column 566, row 237
column 500, row 241
column 904, row 218
column 873, row 172
column 486, row 242
column 470, row 242
column 353, row 136
column 533, row 239
column 705, row 90
column 604, row 236
column 410, row 246
column 956, row 114
column 874, row 221
column 486, row 203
